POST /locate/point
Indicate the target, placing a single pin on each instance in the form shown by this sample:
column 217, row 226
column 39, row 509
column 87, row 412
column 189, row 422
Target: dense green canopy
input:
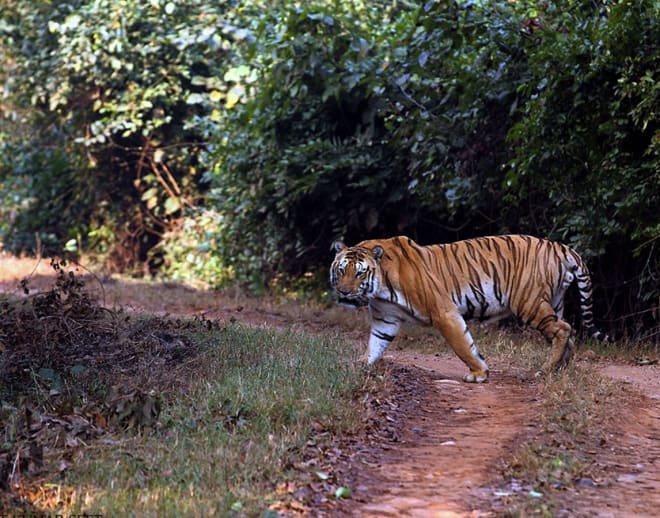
column 233, row 141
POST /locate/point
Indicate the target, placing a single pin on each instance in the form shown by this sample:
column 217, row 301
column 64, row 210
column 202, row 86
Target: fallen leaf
column 99, row 420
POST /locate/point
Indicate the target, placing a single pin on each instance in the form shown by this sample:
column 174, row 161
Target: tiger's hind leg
column 455, row 331
column 557, row 331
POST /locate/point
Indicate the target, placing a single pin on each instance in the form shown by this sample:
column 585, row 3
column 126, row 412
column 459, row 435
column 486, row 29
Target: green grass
column 230, row 428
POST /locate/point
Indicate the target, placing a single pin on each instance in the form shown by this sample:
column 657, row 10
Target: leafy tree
column 110, row 91
column 360, row 119
column 587, row 145
column 304, row 157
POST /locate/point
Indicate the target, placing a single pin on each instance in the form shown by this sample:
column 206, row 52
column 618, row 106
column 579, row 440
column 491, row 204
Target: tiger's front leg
column 452, row 326
column 383, row 330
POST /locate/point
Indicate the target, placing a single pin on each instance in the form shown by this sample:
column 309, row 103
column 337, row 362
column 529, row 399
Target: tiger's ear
column 338, row 246
column 378, row 252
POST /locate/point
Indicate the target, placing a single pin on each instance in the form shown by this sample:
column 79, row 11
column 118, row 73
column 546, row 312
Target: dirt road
column 451, row 439
column 447, row 460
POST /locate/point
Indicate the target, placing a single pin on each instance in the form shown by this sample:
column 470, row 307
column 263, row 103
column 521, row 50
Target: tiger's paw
column 476, row 378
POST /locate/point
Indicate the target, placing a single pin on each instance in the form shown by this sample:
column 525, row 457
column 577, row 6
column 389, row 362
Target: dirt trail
column 449, row 444
column 636, row 457
column 453, row 437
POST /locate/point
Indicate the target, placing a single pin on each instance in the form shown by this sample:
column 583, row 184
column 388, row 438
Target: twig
column 15, row 467
column 415, row 102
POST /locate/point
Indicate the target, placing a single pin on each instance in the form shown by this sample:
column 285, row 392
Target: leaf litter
column 75, row 373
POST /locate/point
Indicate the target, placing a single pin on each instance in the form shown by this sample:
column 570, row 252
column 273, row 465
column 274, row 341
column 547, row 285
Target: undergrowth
column 110, row 412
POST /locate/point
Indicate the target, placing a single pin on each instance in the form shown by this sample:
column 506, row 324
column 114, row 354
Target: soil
column 446, row 440
column 454, row 436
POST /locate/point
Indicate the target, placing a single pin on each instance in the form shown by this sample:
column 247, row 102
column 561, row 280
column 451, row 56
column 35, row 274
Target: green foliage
column 42, row 201
column 587, row 144
column 242, row 138
column 588, row 139
column 453, row 87
column 490, row 117
column 362, row 118
column 191, row 252
column 304, row 154
column 115, row 88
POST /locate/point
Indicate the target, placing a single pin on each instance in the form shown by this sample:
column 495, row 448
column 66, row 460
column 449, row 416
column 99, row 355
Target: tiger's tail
column 585, row 289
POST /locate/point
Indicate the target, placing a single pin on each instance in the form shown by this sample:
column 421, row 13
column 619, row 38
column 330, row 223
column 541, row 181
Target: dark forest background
column 231, row 142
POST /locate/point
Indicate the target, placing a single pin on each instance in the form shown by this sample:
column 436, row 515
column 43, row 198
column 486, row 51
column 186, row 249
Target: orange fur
column 442, row 285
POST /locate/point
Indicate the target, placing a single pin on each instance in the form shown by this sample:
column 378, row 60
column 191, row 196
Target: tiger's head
column 355, row 273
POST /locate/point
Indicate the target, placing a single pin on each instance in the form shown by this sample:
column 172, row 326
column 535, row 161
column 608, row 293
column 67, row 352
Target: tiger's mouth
column 353, row 302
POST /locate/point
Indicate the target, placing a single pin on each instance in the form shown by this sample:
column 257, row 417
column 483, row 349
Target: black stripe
column 545, row 321
column 383, row 336
column 390, row 287
column 469, row 313
column 384, row 320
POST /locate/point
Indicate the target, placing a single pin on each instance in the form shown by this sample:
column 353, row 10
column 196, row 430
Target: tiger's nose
column 343, row 292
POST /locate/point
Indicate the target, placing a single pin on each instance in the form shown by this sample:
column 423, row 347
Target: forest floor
column 445, row 448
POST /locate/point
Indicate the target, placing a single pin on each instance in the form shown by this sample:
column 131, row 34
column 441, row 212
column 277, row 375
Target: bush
column 587, row 145
column 110, row 92
column 363, row 121
column 305, row 157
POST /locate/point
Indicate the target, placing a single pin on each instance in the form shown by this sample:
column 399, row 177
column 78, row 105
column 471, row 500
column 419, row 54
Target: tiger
column 444, row 285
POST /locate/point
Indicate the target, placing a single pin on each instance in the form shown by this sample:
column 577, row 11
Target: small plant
column 47, row 328
column 562, row 452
